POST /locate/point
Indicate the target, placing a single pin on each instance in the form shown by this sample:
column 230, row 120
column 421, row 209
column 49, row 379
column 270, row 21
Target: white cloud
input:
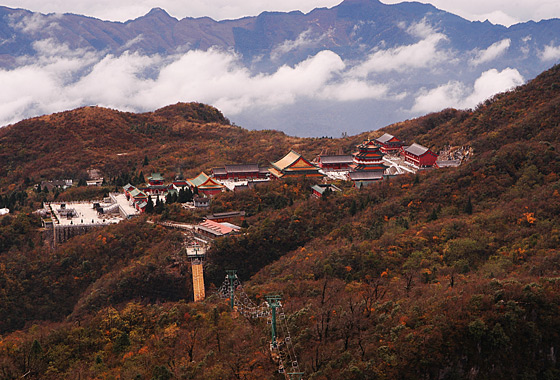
column 355, row 90
column 51, row 83
column 422, row 54
column 304, row 40
column 504, row 12
column 36, row 22
column 550, row 53
column 420, row 29
column 492, row 52
column 458, row 95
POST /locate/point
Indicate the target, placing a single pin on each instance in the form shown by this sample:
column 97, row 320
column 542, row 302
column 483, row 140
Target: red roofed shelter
column 389, row 144
column 419, row 156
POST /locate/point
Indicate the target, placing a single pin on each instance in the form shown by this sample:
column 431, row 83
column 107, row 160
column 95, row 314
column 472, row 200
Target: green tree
column 161, row 373
column 158, row 209
column 468, row 207
column 122, row 343
column 150, row 206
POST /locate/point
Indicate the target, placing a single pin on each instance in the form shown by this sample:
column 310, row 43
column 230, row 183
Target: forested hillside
column 449, row 274
column 184, row 138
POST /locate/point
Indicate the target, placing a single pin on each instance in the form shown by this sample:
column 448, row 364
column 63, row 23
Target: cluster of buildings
column 202, row 186
column 372, row 161
column 376, row 159
column 371, row 153
column 368, row 164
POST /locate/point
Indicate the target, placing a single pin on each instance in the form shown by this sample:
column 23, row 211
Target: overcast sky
column 504, row 12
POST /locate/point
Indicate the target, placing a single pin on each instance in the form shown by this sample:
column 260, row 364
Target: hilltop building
column 320, row 189
column 156, row 185
column 419, row 156
column 136, row 195
column 206, row 185
column 240, row 172
column 294, row 164
column 334, row 162
column 389, row 144
column 156, row 179
column 365, row 178
column 60, row 184
column 213, row 230
column 369, row 157
column 226, row 216
column 201, row 202
column 367, row 165
column 179, row 182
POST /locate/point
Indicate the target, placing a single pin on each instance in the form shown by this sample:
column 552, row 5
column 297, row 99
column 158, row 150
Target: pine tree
column 433, row 215
column 468, row 207
column 158, row 209
column 150, row 205
column 122, row 343
column 188, row 195
column 169, row 198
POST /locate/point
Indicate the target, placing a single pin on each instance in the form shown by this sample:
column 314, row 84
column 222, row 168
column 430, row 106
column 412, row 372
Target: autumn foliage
column 450, row 274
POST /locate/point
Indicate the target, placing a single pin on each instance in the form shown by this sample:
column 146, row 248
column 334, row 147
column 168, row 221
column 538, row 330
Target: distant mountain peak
column 376, row 2
column 159, row 12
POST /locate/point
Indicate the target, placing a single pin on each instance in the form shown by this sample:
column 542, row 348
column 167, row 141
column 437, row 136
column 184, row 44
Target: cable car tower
column 281, row 346
column 195, row 253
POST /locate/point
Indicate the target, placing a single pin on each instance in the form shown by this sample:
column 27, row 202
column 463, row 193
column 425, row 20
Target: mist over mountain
column 357, row 66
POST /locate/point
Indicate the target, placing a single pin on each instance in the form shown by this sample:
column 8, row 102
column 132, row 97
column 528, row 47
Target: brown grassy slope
column 529, row 112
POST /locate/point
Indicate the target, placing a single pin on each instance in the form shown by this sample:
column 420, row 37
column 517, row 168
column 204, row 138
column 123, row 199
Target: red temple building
column 389, row 144
column 320, row 189
column 294, row 165
column 156, row 179
column 365, row 178
column 334, row 162
column 179, row 181
column 156, row 185
column 205, row 184
column 419, row 156
column 243, row 171
column 369, row 157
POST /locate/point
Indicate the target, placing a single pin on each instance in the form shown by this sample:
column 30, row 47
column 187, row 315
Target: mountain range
column 354, row 67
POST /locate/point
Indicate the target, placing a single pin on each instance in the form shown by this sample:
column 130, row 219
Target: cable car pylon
column 281, row 347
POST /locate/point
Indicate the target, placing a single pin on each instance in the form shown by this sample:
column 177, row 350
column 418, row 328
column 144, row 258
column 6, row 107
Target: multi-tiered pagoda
column 368, row 158
column 367, row 164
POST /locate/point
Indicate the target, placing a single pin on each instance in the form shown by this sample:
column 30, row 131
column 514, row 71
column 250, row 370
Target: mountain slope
column 449, row 274
column 187, row 137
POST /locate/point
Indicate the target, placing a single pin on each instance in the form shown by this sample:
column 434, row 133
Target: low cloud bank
column 459, row 95
column 57, row 78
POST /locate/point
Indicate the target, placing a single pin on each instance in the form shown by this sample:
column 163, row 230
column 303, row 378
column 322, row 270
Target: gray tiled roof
column 365, row 175
column 219, row 171
column 386, row 137
column 338, row 159
column 243, row 168
column 416, row 149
